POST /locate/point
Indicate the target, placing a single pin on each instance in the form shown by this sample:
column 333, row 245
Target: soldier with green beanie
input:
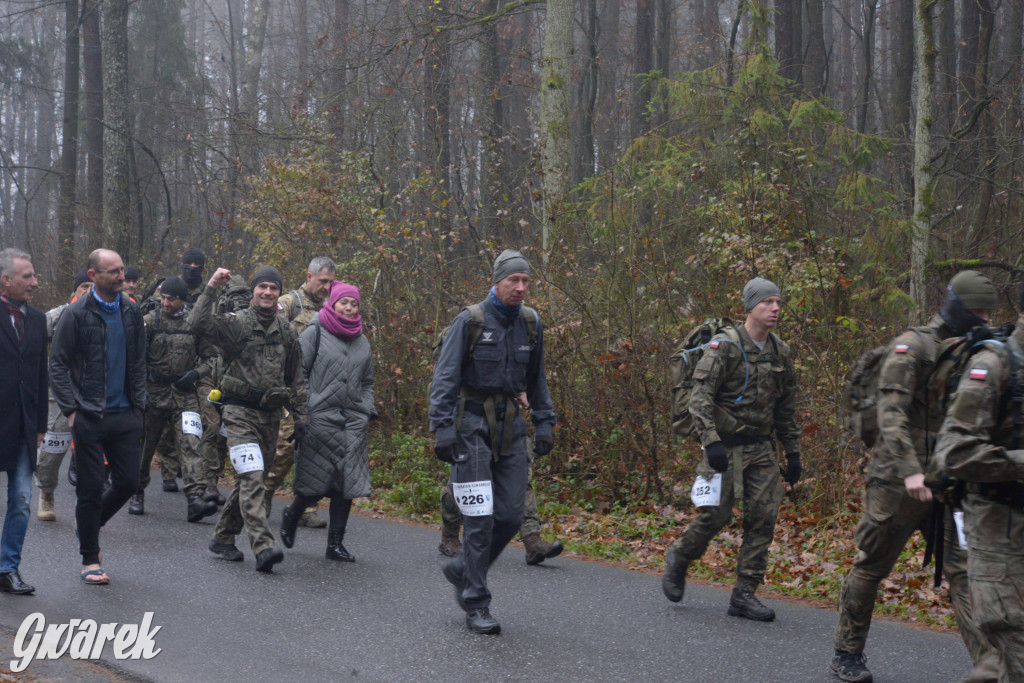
column 980, row 445
column 262, row 375
column 896, row 500
column 743, row 399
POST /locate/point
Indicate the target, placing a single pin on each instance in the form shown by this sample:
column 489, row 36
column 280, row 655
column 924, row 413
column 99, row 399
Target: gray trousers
column 451, row 517
column 484, row 537
column 48, row 464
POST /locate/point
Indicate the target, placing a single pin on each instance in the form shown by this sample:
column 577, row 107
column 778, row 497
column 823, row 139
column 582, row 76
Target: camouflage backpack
column 234, row 298
column 685, row 359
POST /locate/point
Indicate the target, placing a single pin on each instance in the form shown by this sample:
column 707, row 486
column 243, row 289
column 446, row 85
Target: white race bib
column 223, row 430
column 191, row 423
column 56, row 442
column 707, row 492
column 474, row 498
column 246, row 457
column 958, row 520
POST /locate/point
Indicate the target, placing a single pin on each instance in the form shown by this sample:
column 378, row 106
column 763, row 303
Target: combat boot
column 170, row 485
column 538, row 550
column 450, row 546
column 479, row 620
column 267, row 558
column 673, row 582
column 199, row 508
column 311, row 520
column 851, row 666
column 137, row 504
column 226, row 551
column 335, row 550
column 289, row 524
column 744, row 604
column 212, row 494
column 45, row 511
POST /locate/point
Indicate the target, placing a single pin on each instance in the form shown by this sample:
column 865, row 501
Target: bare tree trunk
column 970, row 19
column 946, row 64
column 491, row 125
column 248, row 100
column 556, row 78
column 117, row 130
column 814, row 67
column 437, row 66
column 789, row 38
column 338, row 96
column 987, row 147
column 607, row 119
column 643, row 45
column 903, row 66
column 924, row 180
column 93, row 77
column 69, row 151
column 866, row 63
column 302, row 52
column 583, row 140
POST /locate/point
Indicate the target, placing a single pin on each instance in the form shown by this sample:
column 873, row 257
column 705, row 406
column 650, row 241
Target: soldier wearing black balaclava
column 193, row 263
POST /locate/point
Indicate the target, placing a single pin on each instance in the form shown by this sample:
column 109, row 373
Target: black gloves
column 542, row 445
column 717, row 455
column 445, row 450
column 793, row 468
column 187, row 381
column 299, row 434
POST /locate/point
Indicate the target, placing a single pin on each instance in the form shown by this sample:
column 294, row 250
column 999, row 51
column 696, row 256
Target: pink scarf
column 346, row 328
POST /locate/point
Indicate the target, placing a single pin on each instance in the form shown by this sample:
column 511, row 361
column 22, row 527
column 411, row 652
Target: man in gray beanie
column 490, row 369
column 743, row 400
column 262, row 375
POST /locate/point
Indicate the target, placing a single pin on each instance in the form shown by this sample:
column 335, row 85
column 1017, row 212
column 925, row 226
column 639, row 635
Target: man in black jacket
column 98, row 376
column 23, row 397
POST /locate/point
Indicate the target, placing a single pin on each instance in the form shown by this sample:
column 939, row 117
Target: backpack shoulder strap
column 476, row 325
column 532, row 322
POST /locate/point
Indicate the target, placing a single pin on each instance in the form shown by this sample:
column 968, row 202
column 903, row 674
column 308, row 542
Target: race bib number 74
column 474, row 498
column 246, row 457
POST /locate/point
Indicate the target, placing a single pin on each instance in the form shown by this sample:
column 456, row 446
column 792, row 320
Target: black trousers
column 118, row 436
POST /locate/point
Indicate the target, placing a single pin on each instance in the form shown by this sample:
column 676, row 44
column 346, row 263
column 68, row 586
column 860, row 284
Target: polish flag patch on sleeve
column 714, row 344
column 978, row 373
column 901, row 348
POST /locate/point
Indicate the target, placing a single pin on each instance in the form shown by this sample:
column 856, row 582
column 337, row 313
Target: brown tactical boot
column 450, row 546
column 538, row 550
column 45, row 511
column 312, row 520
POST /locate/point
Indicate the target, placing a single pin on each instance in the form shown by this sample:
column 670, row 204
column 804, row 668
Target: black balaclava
column 968, row 291
column 193, row 275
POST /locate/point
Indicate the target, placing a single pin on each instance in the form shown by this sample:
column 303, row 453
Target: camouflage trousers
column 213, row 448
column 995, row 568
column 890, row 518
column 170, row 461
column 284, row 460
column 451, row 517
column 244, row 506
column 762, row 495
column 184, row 447
column 48, row 461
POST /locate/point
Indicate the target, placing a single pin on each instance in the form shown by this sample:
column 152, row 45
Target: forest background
column 649, row 156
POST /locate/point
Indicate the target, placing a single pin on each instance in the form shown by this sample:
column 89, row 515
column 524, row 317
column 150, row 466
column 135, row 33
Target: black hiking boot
column 851, row 666
column 137, row 504
column 335, row 550
column 289, row 524
column 744, row 604
column 479, row 620
column 170, row 486
column 212, row 494
column 673, row 582
column 267, row 558
column 199, row 508
column 226, row 551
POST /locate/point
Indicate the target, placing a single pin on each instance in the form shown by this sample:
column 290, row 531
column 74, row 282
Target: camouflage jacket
column 299, row 307
column 768, row 402
column 172, row 349
column 255, row 358
column 908, row 418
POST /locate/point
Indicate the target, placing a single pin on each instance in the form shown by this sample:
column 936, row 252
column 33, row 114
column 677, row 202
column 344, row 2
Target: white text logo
column 82, row 639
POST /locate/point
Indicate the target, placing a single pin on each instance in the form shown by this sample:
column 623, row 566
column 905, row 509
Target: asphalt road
column 391, row 616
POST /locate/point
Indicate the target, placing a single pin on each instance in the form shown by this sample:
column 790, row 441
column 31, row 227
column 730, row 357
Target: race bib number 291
column 474, row 498
column 246, row 457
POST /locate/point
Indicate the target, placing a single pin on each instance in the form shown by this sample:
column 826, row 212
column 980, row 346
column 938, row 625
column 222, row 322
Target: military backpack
column 685, row 359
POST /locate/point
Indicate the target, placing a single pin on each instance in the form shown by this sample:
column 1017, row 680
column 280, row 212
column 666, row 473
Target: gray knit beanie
column 757, row 290
column 509, row 262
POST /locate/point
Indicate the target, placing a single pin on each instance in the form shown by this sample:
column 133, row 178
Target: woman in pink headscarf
column 333, row 460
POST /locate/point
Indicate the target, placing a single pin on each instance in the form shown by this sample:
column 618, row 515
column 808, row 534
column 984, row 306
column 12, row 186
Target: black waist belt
column 1007, row 493
column 477, row 408
column 161, row 378
column 730, row 440
column 241, row 403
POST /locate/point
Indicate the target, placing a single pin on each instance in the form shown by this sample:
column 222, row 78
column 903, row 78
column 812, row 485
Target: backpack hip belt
column 1010, row 493
column 730, row 440
column 488, row 406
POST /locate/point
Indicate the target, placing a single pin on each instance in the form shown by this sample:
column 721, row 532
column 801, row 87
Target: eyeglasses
column 112, row 271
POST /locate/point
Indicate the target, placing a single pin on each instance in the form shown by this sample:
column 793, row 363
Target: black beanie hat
column 81, row 278
column 194, row 255
column 267, row 274
column 131, row 274
column 176, row 287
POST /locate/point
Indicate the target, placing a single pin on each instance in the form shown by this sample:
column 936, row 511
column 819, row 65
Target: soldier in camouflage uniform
column 173, row 368
column 57, row 440
column 262, row 375
column 738, row 419
column 979, row 444
column 299, row 307
column 537, row 549
column 896, row 500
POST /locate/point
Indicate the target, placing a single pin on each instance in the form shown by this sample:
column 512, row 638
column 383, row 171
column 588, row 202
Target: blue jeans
column 19, row 495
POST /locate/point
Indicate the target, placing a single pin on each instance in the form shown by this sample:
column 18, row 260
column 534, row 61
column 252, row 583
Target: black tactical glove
column 187, row 381
column 718, row 456
column 793, row 468
column 445, row 450
column 299, row 434
column 542, row 445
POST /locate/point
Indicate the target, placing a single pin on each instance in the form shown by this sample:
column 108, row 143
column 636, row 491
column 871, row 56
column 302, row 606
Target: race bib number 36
column 474, row 498
column 56, row 442
column 246, row 457
column 707, row 492
column 192, row 424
